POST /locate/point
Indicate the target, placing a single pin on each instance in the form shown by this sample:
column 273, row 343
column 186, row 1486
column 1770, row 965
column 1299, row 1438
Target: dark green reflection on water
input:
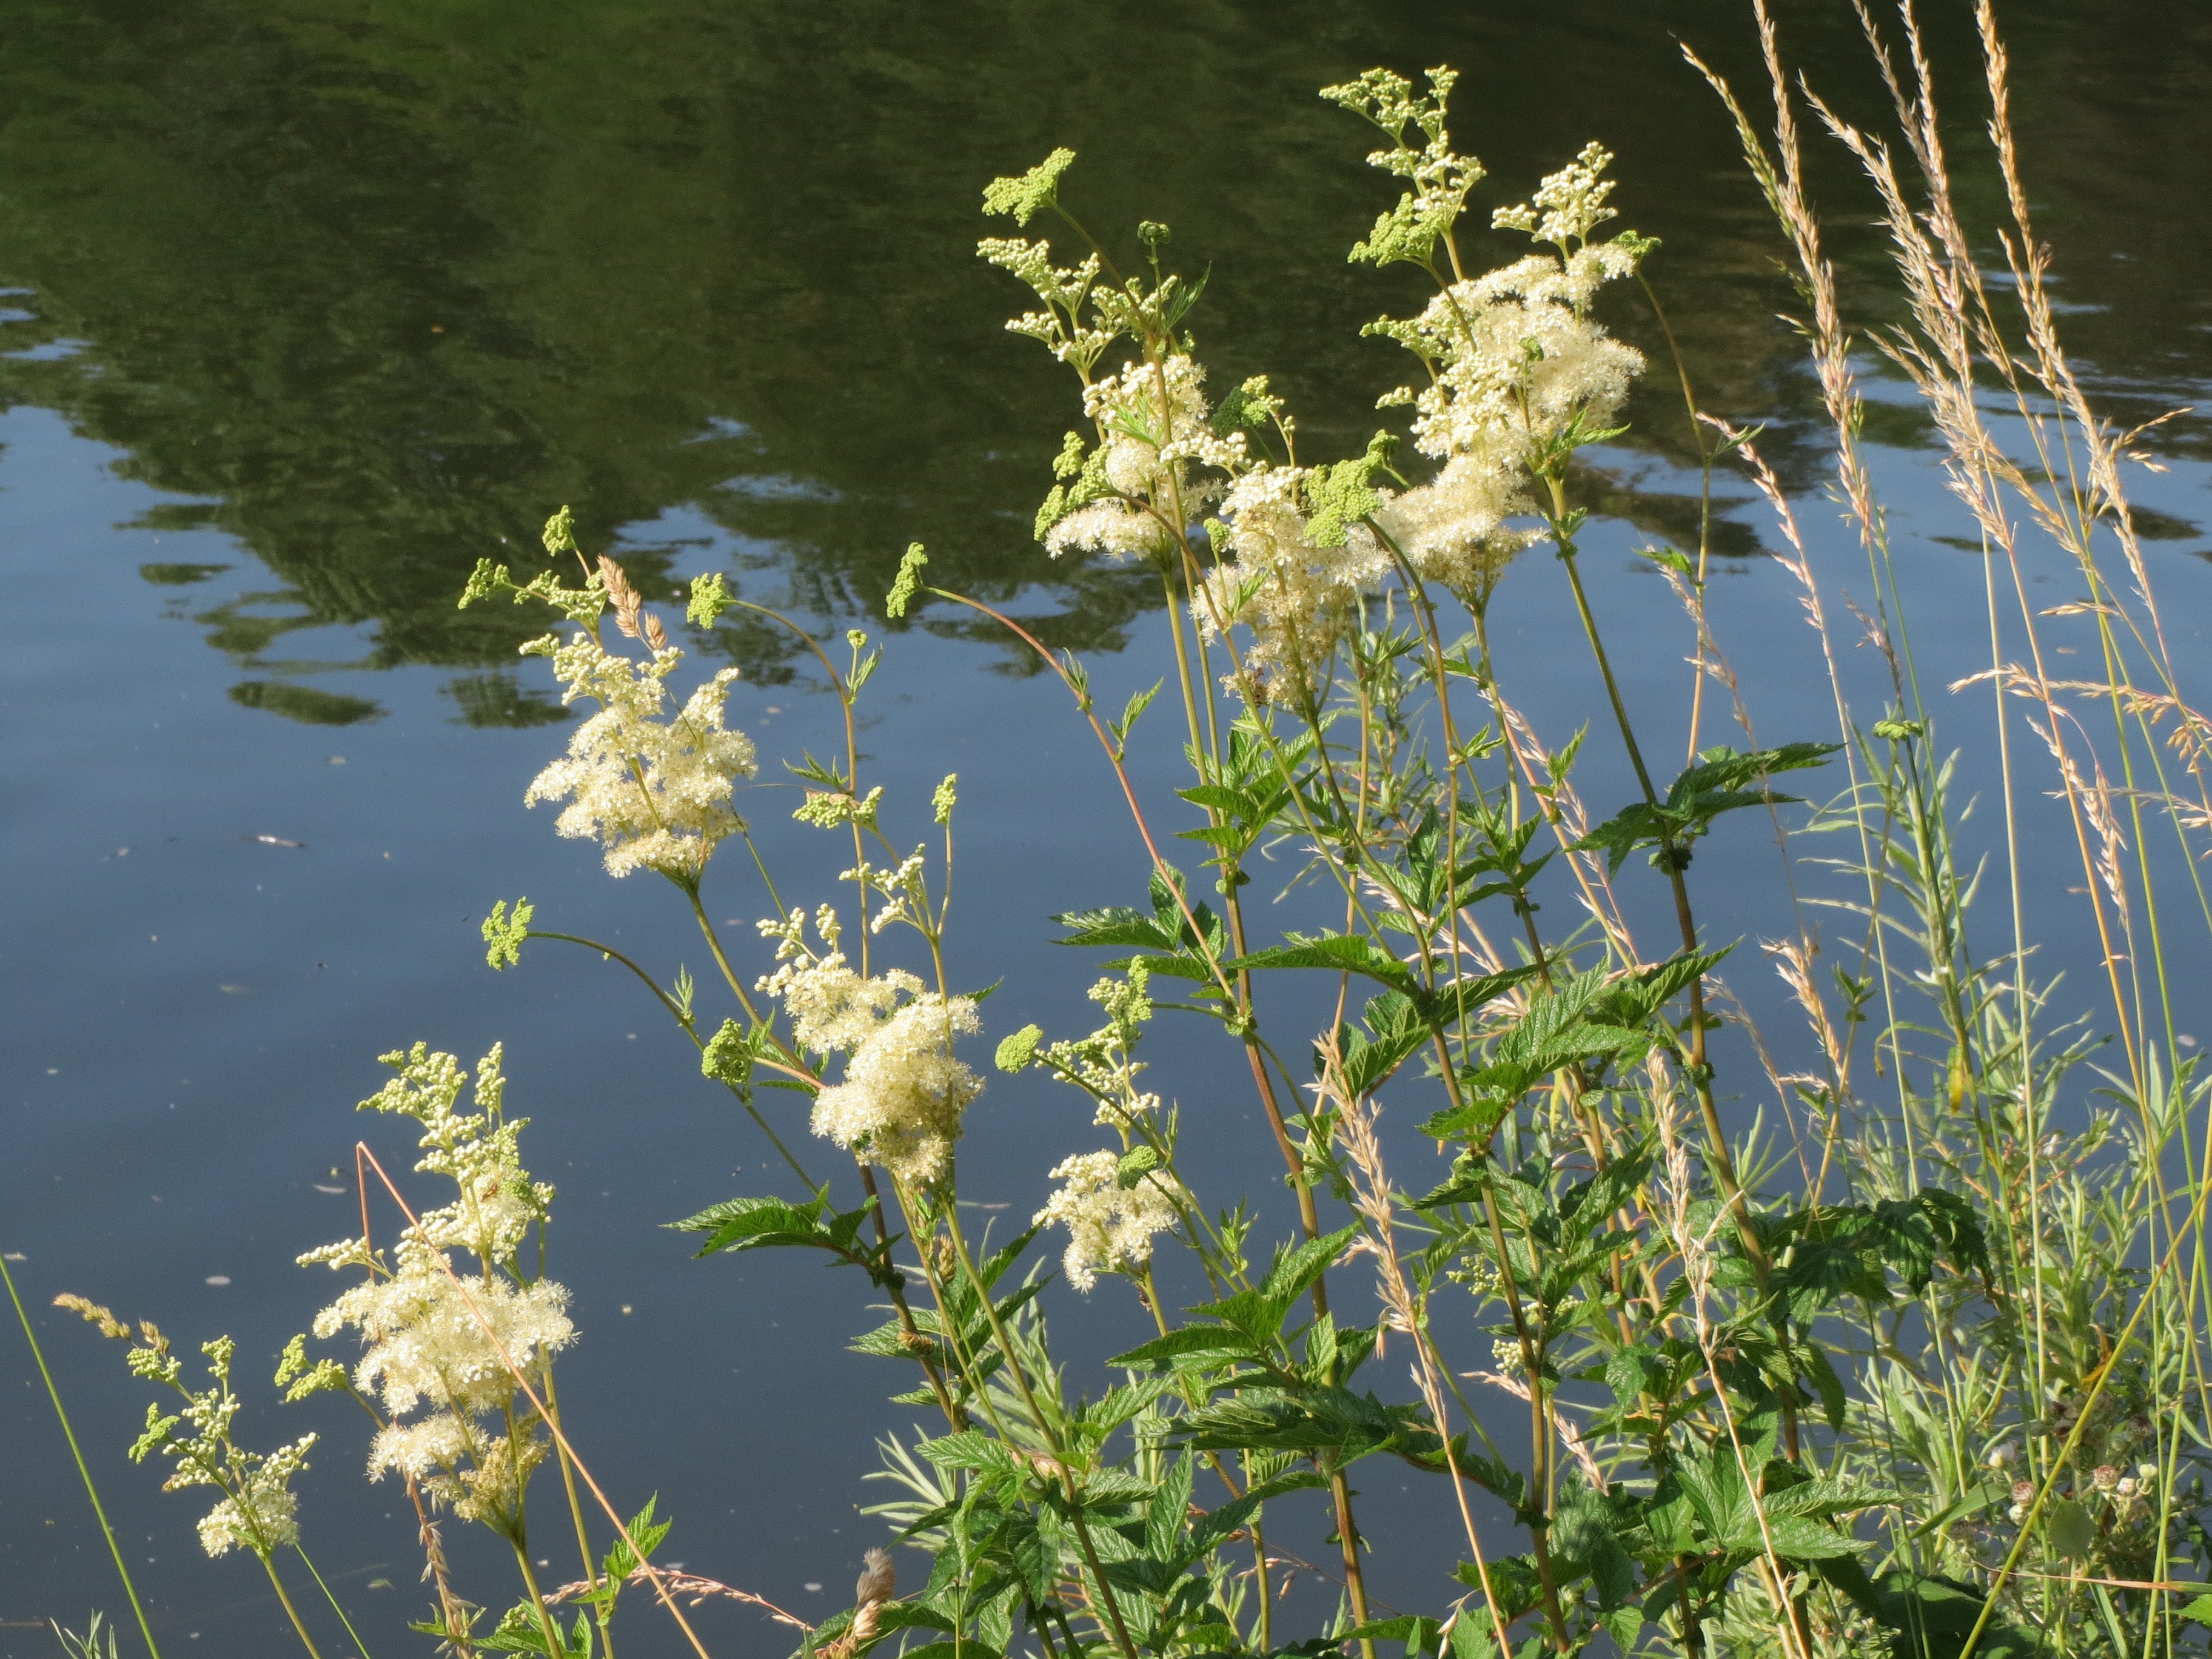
column 376, row 286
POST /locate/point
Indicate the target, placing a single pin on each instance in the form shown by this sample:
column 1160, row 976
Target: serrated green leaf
column 1190, row 1340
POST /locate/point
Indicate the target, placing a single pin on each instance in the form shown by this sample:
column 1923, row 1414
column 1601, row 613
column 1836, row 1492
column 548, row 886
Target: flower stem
column 360, row 1646
column 552, row 1631
column 83, row 1473
column 602, row 1615
column 305, row 1640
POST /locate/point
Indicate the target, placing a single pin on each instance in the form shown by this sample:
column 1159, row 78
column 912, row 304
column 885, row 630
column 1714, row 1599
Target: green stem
column 690, row 1029
column 1044, row 1427
column 360, row 1646
column 666, row 1001
column 1671, row 856
column 552, row 1631
column 83, row 1473
column 603, row 1614
column 305, row 1640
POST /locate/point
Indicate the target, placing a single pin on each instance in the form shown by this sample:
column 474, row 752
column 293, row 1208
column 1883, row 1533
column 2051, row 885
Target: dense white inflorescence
column 904, row 1093
column 656, row 792
column 265, row 1515
column 1299, row 599
column 1110, row 1227
column 1151, row 416
column 453, row 1339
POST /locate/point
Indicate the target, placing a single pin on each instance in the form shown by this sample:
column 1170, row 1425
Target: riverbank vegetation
column 1886, row 1331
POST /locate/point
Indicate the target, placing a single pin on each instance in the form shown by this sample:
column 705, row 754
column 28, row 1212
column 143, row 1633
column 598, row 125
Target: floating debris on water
column 275, row 841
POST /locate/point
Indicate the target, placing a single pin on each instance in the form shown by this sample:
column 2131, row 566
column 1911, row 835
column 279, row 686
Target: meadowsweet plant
column 1898, row 1347
column 257, row 1511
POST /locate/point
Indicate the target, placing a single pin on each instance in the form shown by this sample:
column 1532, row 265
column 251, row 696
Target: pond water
column 311, row 306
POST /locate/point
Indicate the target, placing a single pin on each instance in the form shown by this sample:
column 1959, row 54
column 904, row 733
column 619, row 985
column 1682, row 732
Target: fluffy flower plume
column 265, row 1515
column 1453, row 530
column 1518, row 357
column 1568, row 205
column 1520, row 370
column 656, row 792
column 1298, row 600
column 258, row 1510
column 426, row 1342
column 903, row 1094
column 1109, row 1227
column 1141, row 461
column 451, row 1340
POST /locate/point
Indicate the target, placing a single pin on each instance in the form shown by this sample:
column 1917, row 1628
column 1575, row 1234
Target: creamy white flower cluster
column 1568, row 205
column 1111, row 1227
column 1300, row 600
column 656, row 792
column 258, row 1510
column 902, row 1096
column 1154, row 419
column 1518, row 367
column 447, row 1342
column 453, row 1341
column 265, row 1514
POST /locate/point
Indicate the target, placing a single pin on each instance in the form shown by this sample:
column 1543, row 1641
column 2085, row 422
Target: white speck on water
column 218, row 1278
column 814, row 1589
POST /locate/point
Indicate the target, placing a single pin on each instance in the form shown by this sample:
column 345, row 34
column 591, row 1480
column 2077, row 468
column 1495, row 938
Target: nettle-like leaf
column 621, row 1561
column 1566, row 1026
column 1181, row 952
column 1370, row 1055
column 1637, row 999
column 1328, row 1423
column 1248, row 795
column 1793, row 1519
column 519, row 1631
column 753, row 1223
column 1348, row 953
column 1850, row 1250
column 1514, row 1582
column 1208, row 1344
column 1721, row 781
